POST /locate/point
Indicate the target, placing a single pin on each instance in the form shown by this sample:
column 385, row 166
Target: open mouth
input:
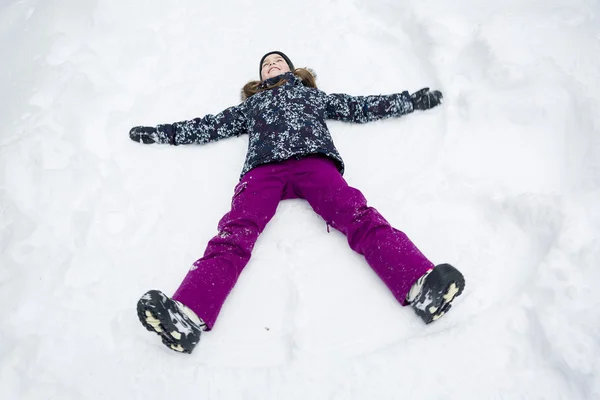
column 271, row 69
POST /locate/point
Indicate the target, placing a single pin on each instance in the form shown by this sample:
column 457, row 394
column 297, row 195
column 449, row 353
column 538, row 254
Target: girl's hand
column 424, row 99
column 144, row 134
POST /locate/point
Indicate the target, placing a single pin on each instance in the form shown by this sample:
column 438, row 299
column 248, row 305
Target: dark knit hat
column 287, row 60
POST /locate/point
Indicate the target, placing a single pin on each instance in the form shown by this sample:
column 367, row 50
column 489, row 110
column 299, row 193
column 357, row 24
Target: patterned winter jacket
column 287, row 121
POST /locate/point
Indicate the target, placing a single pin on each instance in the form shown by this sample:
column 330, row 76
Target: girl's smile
column 273, row 65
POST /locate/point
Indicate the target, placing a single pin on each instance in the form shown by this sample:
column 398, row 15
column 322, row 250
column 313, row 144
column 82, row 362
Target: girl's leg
column 212, row 277
column 388, row 251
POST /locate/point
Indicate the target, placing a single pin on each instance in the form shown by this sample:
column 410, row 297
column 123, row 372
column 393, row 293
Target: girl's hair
column 307, row 75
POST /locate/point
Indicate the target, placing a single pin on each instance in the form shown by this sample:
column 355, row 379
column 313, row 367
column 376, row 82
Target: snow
column 502, row 181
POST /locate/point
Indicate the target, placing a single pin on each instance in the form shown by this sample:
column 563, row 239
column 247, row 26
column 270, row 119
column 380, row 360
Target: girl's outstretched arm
column 363, row 109
column 210, row 128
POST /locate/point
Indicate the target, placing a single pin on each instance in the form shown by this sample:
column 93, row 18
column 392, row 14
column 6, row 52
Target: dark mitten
column 424, row 99
column 144, row 134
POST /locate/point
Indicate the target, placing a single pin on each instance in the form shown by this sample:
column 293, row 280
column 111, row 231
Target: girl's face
column 273, row 65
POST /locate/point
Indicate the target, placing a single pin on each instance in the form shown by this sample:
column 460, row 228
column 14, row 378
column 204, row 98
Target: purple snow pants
column 387, row 250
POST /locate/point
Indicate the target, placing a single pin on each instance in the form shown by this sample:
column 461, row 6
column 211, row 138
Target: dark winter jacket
column 287, row 121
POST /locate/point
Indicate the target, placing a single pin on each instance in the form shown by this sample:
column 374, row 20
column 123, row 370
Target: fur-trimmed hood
column 254, row 87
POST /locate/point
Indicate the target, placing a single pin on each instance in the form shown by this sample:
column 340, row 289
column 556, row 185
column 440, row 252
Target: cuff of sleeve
column 166, row 134
column 405, row 104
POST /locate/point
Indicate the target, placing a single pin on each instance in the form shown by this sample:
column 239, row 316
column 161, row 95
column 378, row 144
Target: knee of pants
column 367, row 219
column 367, row 229
column 345, row 206
column 241, row 225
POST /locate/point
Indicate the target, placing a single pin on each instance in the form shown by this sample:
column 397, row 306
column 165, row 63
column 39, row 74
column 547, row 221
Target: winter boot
column 178, row 326
column 432, row 294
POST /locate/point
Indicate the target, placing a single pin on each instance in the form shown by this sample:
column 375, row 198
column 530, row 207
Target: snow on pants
column 317, row 180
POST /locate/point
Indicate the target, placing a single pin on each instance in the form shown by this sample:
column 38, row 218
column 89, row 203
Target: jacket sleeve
column 363, row 109
column 210, row 128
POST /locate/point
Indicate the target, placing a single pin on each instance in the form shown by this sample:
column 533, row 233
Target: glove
column 144, row 134
column 424, row 99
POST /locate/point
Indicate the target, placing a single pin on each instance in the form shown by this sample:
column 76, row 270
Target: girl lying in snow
column 291, row 155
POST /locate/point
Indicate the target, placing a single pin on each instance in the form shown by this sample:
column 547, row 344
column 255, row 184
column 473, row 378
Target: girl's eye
column 267, row 63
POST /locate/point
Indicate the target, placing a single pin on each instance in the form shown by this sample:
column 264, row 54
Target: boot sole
column 156, row 319
column 453, row 284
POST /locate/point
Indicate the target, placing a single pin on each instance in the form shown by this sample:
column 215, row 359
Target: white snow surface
column 502, row 181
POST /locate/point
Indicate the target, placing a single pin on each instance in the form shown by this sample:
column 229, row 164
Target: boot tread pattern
column 444, row 284
column 159, row 314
